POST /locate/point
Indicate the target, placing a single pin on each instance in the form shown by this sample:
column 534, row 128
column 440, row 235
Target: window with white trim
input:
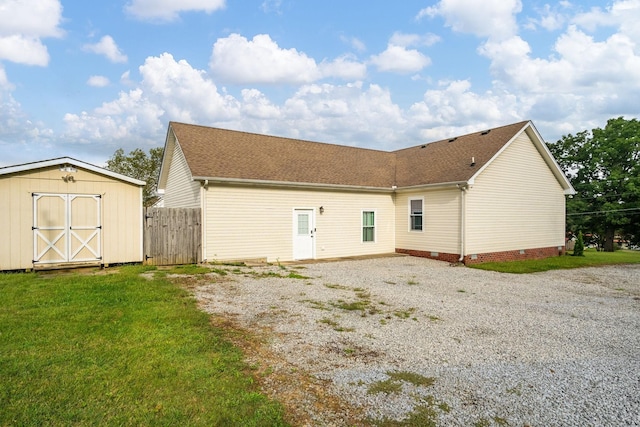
column 415, row 214
column 368, row 226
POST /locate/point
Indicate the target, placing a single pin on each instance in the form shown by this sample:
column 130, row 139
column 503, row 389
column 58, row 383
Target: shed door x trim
column 66, row 228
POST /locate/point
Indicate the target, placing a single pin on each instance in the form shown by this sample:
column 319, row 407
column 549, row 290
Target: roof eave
column 435, row 186
column 71, row 161
column 290, row 184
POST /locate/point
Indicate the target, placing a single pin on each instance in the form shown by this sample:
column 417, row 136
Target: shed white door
column 66, row 228
column 303, row 234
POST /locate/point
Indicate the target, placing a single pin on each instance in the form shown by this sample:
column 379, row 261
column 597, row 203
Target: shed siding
column 181, row 191
column 516, row 203
column 441, row 221
column 121, row 214
column 256, row 223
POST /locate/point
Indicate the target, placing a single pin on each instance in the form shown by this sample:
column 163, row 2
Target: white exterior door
column 303, row 234
column 66, row 228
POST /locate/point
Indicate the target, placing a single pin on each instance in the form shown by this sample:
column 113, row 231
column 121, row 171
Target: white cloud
column 131, row 116
column 354, row 42
column 24, row 25
column 108, row 48
column 33, row 18
column 399, row 59
column 169, row 10
column 454, row 109
column 260, row 60
column 98, row 81
column 581, row 66
column 406, row 40
column 623, row 14
column 5, row 84
column 238, row 60
column 550, row 18
column 345, row 67
column 269, row 6
column 493, row 18
column 125, row 79
column 169, row 90
column 23, row 50
column 255, row 105
column 184, row 91
column 21, row 140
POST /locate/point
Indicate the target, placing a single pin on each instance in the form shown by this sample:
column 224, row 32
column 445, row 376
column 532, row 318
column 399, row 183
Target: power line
column 598, row 212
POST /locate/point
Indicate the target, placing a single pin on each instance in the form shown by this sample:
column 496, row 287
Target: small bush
column 578, row 249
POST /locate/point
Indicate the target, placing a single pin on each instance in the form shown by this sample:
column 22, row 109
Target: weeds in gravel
column 318, row 305
column 387, row 386
column 404, row 314
column 335, row 325
column 394, row 383
column 412, row 377
column 335, row 286
column 424, row 414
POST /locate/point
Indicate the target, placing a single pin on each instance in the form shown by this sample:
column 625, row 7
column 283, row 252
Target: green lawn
column 591, row 258
column 118, row 349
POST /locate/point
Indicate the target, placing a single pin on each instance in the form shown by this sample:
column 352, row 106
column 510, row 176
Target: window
column 415, row 214
column 368, row 226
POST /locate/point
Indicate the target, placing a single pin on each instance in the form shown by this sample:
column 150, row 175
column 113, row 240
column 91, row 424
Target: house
column 491, row 195
column 64, row 212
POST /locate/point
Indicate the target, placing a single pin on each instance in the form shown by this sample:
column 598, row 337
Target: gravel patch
column 560, row 348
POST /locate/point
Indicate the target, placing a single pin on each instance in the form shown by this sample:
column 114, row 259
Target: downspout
column 463, row 191
column 203, row 220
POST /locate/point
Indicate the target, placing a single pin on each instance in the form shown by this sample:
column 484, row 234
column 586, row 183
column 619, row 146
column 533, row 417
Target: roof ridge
column 287, row 138
column 455, row 137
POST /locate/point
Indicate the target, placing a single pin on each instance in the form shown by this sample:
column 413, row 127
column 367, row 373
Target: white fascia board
column 69, row 161
column 317, row 186
column 436, row 186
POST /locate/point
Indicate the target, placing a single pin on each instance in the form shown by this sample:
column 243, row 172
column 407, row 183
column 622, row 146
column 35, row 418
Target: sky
column 83, row 78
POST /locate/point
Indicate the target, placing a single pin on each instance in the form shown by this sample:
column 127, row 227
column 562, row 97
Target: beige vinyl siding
column 181, row 191
column 440, row 221
column 516, row 203
column 245, row 222
column 121, row 214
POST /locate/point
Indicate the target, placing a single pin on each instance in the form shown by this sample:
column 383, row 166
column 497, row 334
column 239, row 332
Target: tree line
column 603, row 165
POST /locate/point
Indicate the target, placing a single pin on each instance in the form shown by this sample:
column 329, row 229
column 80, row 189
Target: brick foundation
column 516, row 255
column 440, row 256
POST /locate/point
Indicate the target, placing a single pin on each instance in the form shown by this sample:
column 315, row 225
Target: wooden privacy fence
column 172, row 236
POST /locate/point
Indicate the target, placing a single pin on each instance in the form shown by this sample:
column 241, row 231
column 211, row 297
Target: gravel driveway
column 416, row 341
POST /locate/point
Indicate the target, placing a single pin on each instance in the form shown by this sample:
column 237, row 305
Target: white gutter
column 457, row 184
column 463, row 208
column 289, row 184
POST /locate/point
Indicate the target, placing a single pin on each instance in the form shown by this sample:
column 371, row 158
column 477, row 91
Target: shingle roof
column 449, row 160
column 219, row 153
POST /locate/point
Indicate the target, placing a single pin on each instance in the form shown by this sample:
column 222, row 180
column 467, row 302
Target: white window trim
column 375, row 225
column 421, row 198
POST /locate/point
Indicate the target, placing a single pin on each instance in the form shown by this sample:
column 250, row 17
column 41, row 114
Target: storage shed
column 65, row 213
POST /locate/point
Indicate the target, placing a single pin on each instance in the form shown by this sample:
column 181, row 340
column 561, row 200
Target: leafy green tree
column 604, row 168
column 137, row 164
